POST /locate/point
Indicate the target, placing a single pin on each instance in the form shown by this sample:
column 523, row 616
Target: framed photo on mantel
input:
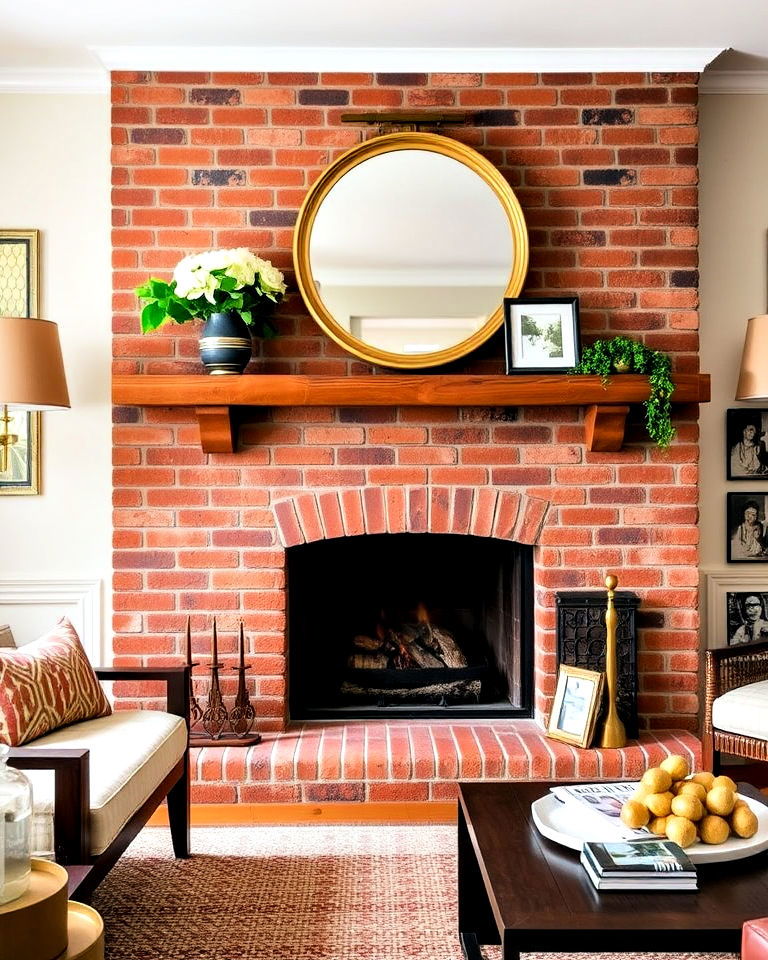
column 576, row 705
column 541, row 335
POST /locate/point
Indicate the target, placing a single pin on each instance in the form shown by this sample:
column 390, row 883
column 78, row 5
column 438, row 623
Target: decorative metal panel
column 581, row 642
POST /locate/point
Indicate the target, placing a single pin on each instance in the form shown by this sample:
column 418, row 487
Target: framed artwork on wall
column 747, row 528
column 746, row 430
column 19, row 292
column 737, row 609
column 541, row 335
column 578, row 695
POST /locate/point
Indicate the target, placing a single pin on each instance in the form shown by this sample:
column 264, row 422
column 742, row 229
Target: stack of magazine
column 652, row 864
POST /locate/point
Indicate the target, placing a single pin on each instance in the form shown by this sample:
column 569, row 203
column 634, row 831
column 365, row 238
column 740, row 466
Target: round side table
column 43, row 925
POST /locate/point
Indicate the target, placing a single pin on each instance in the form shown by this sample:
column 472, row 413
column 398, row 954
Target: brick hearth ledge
column 411, row 761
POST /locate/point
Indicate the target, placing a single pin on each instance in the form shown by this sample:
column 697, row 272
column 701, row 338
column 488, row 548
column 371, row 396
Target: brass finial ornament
column 614, row 734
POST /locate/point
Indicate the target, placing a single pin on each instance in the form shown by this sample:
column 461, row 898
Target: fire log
column 461, row 690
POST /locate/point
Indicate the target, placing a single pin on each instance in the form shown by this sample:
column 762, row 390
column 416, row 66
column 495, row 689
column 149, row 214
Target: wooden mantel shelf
column 215, row 398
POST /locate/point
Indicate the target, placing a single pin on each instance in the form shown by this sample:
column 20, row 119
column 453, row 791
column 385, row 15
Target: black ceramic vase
column 226, row 345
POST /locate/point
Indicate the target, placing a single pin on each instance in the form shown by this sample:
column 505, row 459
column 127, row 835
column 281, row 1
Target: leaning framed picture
column 578, row 695
column 19, row 286
column 746, row 455
column 747, row 530
column 737, row 609
column 541, row 335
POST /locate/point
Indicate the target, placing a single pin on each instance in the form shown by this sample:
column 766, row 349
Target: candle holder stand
column 221, row 727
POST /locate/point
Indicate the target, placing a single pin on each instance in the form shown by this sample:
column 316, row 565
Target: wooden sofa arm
column 176, row 680
column 730, row 667
column 72, row 794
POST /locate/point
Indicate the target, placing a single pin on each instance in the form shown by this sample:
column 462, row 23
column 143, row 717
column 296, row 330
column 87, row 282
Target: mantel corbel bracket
column 604, row 427
column 218, row 429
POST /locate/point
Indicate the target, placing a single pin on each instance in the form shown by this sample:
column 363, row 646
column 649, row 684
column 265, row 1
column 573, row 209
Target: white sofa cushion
column 131, row 753
column 743, row 711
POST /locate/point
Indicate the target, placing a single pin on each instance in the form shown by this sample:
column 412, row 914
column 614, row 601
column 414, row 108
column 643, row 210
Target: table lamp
column 753, row 376
column 31, row 373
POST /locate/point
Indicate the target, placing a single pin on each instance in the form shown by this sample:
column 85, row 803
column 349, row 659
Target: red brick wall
column 605, row 169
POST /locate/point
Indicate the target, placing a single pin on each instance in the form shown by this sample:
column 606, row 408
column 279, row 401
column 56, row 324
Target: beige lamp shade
column 31, row 368
column 753, row 377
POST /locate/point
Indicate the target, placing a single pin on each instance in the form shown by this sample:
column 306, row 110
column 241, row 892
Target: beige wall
column 54, row 176
column 734, row 271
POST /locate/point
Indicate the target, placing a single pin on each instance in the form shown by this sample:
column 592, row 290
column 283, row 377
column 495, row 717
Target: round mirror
column 406, row 247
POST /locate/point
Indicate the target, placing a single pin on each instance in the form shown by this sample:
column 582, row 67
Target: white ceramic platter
column 565, row 824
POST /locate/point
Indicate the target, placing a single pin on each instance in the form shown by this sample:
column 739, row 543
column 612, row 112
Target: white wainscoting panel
column 32, row 607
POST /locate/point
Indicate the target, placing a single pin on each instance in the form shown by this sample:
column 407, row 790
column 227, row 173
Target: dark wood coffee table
column 521, row 890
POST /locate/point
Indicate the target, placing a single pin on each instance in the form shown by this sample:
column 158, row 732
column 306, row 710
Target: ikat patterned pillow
column 47, row 684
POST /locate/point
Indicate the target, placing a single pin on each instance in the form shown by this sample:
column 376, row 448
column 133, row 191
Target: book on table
column 652, row 864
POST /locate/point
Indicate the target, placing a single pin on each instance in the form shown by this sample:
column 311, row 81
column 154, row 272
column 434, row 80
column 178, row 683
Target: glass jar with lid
column 15, row 829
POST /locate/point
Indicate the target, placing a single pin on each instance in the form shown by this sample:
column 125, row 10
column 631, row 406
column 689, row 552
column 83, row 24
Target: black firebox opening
column 411, row 625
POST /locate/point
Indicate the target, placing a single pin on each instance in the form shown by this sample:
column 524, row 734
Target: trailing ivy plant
column 624, row 355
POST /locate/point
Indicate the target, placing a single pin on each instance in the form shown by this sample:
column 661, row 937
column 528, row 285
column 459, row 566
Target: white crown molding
column 383, row 60
column 53, row 80
column 49, row 599
column 410, row 59
column 734, row 81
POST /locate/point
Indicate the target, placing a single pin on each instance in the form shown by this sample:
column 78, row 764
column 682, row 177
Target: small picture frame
column 746, row 453
column 747, row 530
column 737, row 609
column 578, row 696
column 541, row 335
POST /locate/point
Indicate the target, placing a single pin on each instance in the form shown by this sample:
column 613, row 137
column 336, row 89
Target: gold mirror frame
column 434, row 143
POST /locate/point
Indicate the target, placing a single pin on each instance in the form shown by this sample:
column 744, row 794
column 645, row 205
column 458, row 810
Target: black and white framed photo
column 747, row 613
column 746, row 430
column 578, row 695
column 541, row 335
column 737, row 609
column 747, row 536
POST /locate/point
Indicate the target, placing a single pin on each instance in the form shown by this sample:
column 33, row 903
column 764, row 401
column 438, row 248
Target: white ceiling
column 79, row 36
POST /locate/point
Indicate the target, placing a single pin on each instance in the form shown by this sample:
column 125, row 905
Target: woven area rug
column 292, row 893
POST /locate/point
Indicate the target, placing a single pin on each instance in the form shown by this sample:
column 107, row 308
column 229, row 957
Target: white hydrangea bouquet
column 215, row 281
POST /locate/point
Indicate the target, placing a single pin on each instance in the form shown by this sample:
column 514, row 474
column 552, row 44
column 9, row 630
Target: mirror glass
column 411, row 253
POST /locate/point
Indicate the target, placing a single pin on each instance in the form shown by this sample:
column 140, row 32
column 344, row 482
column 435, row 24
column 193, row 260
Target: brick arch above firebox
column 481, row 512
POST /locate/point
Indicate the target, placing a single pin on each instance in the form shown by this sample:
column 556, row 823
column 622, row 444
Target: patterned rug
column 292, row 893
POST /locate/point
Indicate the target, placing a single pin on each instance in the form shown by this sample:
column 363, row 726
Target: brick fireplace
column 604, row 166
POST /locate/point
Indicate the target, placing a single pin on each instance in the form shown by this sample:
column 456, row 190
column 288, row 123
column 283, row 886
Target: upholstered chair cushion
column 743, row 711
column 131, row 753
column 47, row 684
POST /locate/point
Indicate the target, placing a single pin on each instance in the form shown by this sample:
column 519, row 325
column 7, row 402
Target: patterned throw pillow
column 47, row 684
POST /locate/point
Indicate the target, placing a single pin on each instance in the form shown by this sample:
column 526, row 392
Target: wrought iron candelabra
column 221, row 727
